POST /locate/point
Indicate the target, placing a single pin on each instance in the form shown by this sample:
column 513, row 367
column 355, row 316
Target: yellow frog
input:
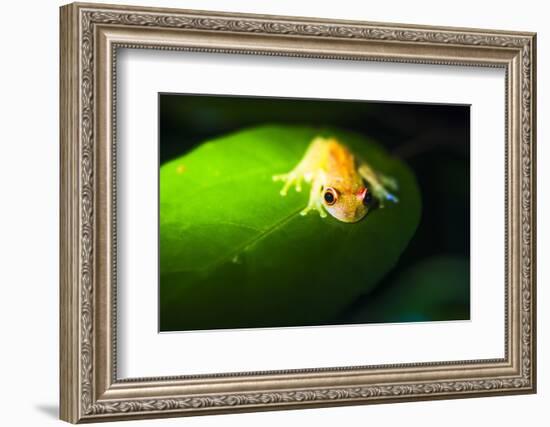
column 340, row 183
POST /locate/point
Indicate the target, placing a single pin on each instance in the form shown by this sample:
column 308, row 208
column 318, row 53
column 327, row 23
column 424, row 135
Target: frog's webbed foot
column 295, row 178
column 379, row 184
column 292, row 178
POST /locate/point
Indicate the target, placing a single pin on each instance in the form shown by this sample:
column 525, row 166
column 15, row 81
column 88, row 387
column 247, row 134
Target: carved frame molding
column 90, row 37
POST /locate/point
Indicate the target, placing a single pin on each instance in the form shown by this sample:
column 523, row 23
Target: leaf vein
column 252, row 241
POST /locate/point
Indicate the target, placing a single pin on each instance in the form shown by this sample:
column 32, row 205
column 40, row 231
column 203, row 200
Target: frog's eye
column 367, row 199
column 330, row 196
column 364, row 195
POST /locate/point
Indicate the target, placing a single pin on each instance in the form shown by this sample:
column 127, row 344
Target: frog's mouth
column 348, row 211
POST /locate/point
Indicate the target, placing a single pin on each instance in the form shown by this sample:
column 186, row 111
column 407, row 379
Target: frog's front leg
column 294, row 177
column 302, row 172
column 379, row 184
column 305, row 171
column 310, row 170
column 315, row 199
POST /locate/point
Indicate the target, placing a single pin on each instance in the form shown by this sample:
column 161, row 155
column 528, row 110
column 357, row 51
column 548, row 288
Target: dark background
column 432, row 139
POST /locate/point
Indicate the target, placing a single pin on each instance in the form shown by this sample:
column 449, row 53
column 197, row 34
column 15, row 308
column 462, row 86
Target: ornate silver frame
column 90, row 36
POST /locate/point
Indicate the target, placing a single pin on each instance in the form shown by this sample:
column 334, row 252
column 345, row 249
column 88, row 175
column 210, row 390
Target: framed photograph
column 266, row 212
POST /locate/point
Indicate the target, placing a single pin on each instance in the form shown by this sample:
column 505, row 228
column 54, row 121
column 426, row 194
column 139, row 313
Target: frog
column 342, row 184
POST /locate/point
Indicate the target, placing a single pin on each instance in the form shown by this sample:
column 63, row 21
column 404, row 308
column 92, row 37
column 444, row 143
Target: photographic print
column 281, row 212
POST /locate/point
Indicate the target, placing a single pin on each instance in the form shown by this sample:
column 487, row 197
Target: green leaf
column 234, row 253
column 434, row 289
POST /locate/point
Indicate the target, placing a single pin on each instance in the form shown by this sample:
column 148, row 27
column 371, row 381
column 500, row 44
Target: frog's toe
column 392, row 198
column 306, row 210
column 280, row 177
column 317, row 208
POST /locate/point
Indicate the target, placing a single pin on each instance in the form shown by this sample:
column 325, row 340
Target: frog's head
column 347, row 206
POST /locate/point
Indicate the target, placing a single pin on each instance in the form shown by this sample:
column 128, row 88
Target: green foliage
column 234, row 253
column 430, row 290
